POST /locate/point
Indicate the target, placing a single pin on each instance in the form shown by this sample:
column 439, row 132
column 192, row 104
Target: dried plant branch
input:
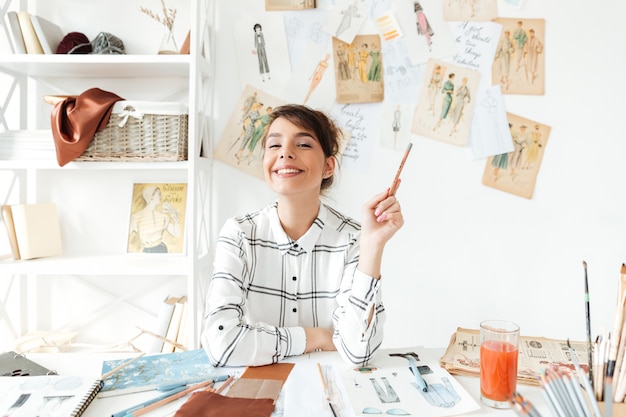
column 167, row 19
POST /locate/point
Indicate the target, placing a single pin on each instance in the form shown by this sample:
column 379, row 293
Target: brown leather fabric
column 75, row 120
column 210, row 404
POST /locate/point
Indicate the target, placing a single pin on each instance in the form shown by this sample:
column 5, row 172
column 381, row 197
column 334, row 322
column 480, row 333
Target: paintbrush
column 588, row 319
column 610, row 365
column 394, row 185
column 620, row 367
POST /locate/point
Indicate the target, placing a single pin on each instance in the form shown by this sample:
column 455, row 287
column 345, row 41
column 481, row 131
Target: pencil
column 588, row 317
column 122, row 366
column 394, row 184
column 330, row 404
column 169, row 399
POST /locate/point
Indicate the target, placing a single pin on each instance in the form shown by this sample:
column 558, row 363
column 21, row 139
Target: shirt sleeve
column 228, row 337
column 356, row 337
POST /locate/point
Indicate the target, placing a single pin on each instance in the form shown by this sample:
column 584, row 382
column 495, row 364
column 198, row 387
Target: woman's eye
column 304, row 145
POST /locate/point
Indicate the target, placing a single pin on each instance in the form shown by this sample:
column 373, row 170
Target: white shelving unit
column 93, row 198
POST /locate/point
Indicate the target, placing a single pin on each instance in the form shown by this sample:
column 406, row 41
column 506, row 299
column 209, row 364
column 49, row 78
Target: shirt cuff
column 297, row 344
column 365, row 287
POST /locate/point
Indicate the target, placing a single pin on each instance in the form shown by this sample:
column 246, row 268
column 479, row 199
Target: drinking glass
column 499, row 354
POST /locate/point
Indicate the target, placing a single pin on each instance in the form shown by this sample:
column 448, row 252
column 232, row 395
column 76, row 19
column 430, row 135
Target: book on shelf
column 157, row 218
column 17, row 40
column 33, row 46
column 7, row 219
column 174, row 326
column 162, row 322
column 37, row 230
column 47, row 395
column 156, row 371
column 49, row 34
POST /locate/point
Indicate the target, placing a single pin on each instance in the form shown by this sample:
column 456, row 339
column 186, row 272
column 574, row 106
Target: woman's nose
column 286, row 153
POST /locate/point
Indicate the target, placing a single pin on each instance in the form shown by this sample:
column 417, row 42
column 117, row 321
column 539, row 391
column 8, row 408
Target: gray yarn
column 104, row 43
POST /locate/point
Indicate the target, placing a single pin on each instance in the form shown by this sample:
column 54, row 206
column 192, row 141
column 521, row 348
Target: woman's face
column 293, row 160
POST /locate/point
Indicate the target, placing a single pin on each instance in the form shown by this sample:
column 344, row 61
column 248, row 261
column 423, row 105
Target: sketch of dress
column 447, row 91
column 343, row 70
column 423, row 27
column 462, row 97
column 352, row 11
column 317, row 75
column 259, row 45
column 433, row 87
column 375, row 66
column 503, row 56
column 363, row 55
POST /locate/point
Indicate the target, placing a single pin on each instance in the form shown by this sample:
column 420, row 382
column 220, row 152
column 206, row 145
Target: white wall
column 469, row 252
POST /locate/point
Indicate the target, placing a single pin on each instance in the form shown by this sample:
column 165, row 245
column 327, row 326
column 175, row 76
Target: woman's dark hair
column 326, row 130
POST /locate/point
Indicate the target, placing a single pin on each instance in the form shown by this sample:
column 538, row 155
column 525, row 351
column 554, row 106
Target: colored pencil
column 588, row 318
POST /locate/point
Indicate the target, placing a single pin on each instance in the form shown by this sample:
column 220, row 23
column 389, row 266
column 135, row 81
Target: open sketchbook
column 388, row 386
column 46, row 395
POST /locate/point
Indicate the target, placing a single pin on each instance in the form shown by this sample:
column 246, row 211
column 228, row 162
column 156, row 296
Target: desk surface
column 90, row 364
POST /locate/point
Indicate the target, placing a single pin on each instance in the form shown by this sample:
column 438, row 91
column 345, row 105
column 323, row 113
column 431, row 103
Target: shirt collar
column 307, row 242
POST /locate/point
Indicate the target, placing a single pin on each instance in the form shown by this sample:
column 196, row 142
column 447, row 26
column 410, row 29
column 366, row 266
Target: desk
column 307, row 402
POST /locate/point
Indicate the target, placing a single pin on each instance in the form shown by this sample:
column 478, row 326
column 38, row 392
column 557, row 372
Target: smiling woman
column 297, row 275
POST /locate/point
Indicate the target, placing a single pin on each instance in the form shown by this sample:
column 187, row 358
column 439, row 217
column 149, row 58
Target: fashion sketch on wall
column 274, row 5
column 262, row 51
column 519, row 62
column 359, row 70
column 241, row 143
column 516, row 172
column 456, row 10
column 446, row 102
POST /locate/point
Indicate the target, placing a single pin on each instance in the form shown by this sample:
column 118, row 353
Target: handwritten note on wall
column 476, row 44
column 362, row 123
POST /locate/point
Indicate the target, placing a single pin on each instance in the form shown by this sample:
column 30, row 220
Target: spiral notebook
column 47, row 395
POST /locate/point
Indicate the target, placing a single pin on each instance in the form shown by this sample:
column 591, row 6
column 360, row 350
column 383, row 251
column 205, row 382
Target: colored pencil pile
column 563, row 394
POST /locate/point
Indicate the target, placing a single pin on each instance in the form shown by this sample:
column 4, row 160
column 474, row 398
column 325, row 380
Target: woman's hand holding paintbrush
column 382, row 218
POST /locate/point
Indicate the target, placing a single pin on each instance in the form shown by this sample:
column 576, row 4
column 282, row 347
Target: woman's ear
column 329, row 167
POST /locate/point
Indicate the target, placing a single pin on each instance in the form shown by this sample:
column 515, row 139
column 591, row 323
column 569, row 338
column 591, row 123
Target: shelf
column 132, row 264
column 52, row 164
column 97, row 66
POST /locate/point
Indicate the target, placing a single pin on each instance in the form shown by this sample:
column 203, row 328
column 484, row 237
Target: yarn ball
column 74, row 43
column 105, row 43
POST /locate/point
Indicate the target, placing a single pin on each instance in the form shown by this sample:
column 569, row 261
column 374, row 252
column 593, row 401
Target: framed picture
column 157, row 218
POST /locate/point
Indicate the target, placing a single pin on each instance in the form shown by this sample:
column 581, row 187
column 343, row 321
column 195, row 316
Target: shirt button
column 220, row 327
column 294, row 278
column 295, row 245
column 294, row 309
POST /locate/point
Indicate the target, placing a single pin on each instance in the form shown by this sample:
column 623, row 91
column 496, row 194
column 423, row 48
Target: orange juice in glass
column 498, row 362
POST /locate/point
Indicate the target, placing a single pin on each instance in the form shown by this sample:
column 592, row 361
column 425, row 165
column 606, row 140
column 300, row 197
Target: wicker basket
column 141, row 131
